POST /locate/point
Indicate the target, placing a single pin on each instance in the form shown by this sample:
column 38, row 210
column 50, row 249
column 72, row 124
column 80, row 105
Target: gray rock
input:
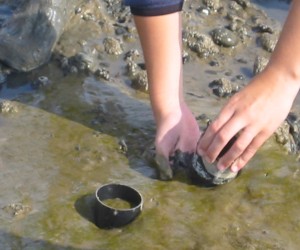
column 268, row 41
column 29, row 30
column 202, row 44
column 213, row 5
column 140, row 81
column 259, row 64
column 112, row 46
column 223, row 87
column 224, row 37
column 288, row 134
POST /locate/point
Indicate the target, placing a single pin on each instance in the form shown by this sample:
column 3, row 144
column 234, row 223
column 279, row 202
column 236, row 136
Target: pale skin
column 259, row 109
column 254, row 113
column 162, row 46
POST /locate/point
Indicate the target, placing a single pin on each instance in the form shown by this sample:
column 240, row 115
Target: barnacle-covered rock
column 8, row 107
column 259, row 64
column 268, row 41
column 223, row 87
column 202, row 44
column 224, row 37
column 112, row 46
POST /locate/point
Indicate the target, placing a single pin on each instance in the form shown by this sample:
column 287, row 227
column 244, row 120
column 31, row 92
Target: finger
column 164, row 168
column 209, row 134
column 223, row 136
column 249, row 152
column 240, row 145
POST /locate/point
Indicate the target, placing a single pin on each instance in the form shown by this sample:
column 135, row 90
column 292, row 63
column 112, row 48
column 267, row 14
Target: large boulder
column 29, row 30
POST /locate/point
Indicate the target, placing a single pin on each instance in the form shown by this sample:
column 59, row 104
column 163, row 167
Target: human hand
column 253, row 114
column 177, row 130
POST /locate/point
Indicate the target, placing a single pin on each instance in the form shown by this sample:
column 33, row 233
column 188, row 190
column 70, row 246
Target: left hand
column 176, row 131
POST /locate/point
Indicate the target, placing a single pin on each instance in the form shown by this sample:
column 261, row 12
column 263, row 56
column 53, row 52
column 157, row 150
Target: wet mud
column 84, row 119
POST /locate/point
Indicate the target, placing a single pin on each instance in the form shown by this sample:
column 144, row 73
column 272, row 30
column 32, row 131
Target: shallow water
column 64, row 142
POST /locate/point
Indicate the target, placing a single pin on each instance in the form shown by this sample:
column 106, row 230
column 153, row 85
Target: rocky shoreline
column 215, row 32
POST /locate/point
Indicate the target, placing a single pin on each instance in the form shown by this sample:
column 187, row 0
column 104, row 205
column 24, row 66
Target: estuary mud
column 84, row 119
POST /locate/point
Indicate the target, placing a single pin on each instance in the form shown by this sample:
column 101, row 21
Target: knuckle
column 247, row 155
column 214, row 127
column 221, row 138
column 238, row 147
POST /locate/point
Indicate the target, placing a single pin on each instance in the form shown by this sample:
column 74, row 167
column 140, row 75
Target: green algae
column 55, row 155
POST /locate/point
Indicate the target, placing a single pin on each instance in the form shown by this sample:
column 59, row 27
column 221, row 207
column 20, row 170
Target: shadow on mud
column 85, row 206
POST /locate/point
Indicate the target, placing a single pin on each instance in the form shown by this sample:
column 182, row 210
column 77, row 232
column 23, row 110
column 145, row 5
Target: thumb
column 164, row 168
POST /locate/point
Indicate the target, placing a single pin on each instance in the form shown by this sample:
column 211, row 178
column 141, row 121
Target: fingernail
column 234, row 167
column 221, row 167
column 207, row 159
column 200, row 152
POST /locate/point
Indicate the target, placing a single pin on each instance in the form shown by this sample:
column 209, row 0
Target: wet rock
column 140, row 81
column 123, row 146
column 3, row 78
column 17, row 209
column 41, row 82
column 87, row 16
column 118, row 11
column 268, row 41
column 30, row 30
column 202, row 173
column 8, row 107
column 132, row 68
column 223, row 87
column 102, row 73
column 160, row 163
column 136, row 71
column 288, row 134
column 282, row 133
column 212, row 5
column 86, row 60
column 204, row 11
column 239, row 27
column 208, row 175
column 243, row 3
column 185, row 57
column 64, row 62
column 235, row 6
column 132, row 55
column 259, row 64
column 224, row 37
column 263, row 28
column 202, row 44
column 294, row 123
column 112, row 46
column 120, row 31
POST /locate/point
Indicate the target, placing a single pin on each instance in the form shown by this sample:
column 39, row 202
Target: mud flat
column 83, row 120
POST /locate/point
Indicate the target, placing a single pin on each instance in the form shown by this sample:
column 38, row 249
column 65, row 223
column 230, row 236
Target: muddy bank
column 84, row 119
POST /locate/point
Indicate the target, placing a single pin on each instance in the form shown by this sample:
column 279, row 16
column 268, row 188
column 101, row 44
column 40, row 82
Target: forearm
column 161, row 41
column 285, row 60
